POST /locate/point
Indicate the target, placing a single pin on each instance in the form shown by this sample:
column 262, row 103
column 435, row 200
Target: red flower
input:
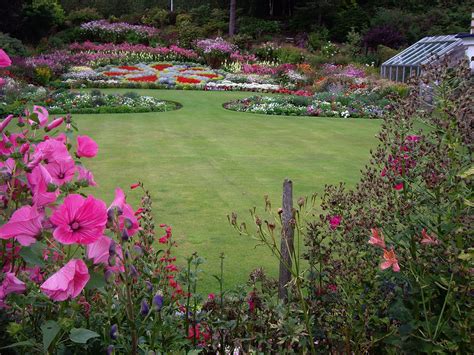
column 114, row 73
column 148, row 79
column 210, row 76
column 184, row 80
column 129, row 68
column 161, row 67
column 134, row 186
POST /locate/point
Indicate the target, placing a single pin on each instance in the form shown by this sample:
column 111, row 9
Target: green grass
column 202, row 162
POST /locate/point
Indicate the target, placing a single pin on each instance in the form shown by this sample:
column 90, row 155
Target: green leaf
column 50, row 330
column 467, row 173
column 33, row 254
column 81, row 335
column 97, row 280
column 28, row 343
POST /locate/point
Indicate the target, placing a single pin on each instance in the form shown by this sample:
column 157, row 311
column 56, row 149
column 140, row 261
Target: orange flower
column 377, row 238
column 428, row 239
column 390, row 260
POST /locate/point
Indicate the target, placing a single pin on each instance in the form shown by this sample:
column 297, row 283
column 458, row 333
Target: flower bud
column 125, row 236
column 149, row 286
column 157, row 302
column 112, row 248
column 113, row 332
column 133, row 271
column 109, row 276
column 144, row 308
column 110, row 350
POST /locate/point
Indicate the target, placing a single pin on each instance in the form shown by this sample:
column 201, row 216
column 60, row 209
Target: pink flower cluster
column 267, row 70
column 4, row 63
column 38, row 175
column 215, row 45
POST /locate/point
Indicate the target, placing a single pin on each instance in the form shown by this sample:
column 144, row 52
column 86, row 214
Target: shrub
column 157, row 16
column 385, row 35
column 86, row 14
column 43, row 75
column 242, row 41
column 40, row 17
column 385, row 53
column 13, row 46
column 288, row 54
column 317, row 38
column 256, row 27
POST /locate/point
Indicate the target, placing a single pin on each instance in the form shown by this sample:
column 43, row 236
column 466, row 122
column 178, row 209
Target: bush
column 43, row 75
column 82, row 15
column 256, row 27
column 289, row 54
column 384, row 53
column 316, row 39
column 157, row 17
column 12, row 46
column 40, row 17
column 385, row 35
column 242, row 41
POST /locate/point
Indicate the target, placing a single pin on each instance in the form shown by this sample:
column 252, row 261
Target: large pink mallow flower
column 51, row 150
column 6, row 121
column 99, row 253
column 42, row 114
column 79, row 220
column 86, row 147
column 127, row 219
column 68, row 282
column 24, row 225
column 38, row 181
column 61, row 171
column 5, row 60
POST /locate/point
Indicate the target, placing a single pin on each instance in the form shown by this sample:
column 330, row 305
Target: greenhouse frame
column 427, row 50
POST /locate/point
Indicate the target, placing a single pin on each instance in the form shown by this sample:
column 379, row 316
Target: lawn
column 202, row 162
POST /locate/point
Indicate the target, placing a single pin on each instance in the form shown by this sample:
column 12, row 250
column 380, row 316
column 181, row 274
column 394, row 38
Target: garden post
column 287, row 230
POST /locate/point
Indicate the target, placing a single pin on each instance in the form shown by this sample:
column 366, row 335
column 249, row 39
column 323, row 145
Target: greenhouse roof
column 423, row 51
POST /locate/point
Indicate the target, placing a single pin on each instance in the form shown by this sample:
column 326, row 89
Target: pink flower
column 377, row 238
column 68, row 282
column 335, row 221
column 79, row 220
column 99, row 252
column 2, row 82
column 413, row 138
column 5, row 122
column 85, row 175
column 57, row 122
column 38, row 181
column 86, row 147
column 428, row 239
column 42, row 114
column 51, row 150
column 11, row 284
column 211, row 296
column 61, row 171
column 4, row 59
column 399, row 186
column 24, row 225
column 127, row 219
column 390, row 261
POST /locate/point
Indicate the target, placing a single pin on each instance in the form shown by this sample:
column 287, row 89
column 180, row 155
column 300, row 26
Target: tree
column 233, row 8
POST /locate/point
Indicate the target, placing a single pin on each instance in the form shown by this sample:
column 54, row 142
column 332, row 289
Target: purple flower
column 158, row 302
column 144, row 308
column 113, row 332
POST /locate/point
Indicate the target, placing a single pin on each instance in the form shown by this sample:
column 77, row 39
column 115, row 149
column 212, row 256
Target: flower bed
column 97, row 102
column 165, row 74
column 325, row 105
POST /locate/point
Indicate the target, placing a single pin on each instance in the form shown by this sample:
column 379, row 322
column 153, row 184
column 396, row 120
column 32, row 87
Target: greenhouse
column 410, row 61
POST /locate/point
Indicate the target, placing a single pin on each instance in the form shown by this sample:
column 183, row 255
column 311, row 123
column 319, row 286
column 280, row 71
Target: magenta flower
column 335, row 221
column 42, row 114
column 55, row 123
column 5, row 122
column 38, row 181
column 85, row 175
column 86, row 147
column 61, row 171
column 79, row 220
column 24, row 225
column 127, row 219
column 51, row 150
column 99, row 252
column 11, row 284
column 5, row 60
column 68, row 282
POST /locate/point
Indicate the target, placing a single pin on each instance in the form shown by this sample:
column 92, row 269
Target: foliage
column 40, row 16
column 256, row 27
column 316, row 39
column 289, row 54
column 86, row 14
column 14, row 47
column 385, row 35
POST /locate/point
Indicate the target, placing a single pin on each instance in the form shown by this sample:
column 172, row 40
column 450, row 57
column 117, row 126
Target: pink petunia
column 390, row 260
column 68, row 282
column 86, row 147
column 5, row 60
column 24, row 225
column 377, row 238
column 85, row 175
column 79, row 220
column 428, row 239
